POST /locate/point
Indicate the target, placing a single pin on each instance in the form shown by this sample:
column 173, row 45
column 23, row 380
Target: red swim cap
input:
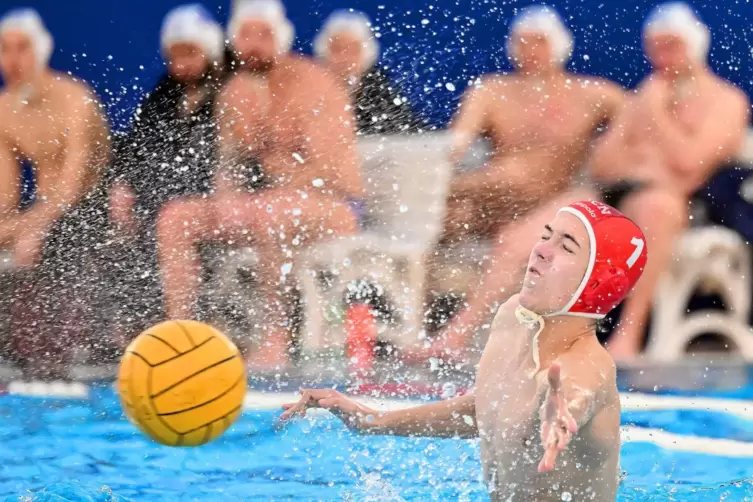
column 617, row 259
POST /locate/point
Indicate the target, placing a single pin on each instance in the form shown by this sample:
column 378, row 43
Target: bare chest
column 37, row 133
column 559, row 118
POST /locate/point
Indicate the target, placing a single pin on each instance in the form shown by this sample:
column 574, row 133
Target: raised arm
column 470, row 121
column 454, row 417
column 329, row 131
column 578, row 387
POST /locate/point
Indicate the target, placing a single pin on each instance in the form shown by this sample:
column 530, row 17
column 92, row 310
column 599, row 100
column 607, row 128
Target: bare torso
column 38, row 131
column 541, row 132
column 507, row 411
column 275, row 114
column 639, row 153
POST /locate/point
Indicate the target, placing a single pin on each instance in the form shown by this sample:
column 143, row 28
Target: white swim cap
column 355, row 23
column 677, row 18
column 194, row 24
column 546, row 21
column 29, row 22
column 270, row 11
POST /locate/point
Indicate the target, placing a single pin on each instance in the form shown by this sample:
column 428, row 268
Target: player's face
column 17, row 59
column 556, row 266
column 186, row 62
column 345, row 54
column 667, row 53
column 533, row 52
column 256, row 43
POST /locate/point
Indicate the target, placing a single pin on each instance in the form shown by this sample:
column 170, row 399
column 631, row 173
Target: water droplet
column 566, row 496
column 450, row 86
column 403, row 208
column 317, row 182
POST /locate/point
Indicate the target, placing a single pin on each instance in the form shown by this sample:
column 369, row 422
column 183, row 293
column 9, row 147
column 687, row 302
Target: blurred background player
column 541, row 120
column 170, row 152
column 54, row 123
column 683, row 123
column 543, row 371
column 293, row 118
column 347, row 46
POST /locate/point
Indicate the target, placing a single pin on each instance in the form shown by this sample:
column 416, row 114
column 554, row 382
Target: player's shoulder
column 589, row 356
column 70, row 85
column 505, row 315
column 733, row 95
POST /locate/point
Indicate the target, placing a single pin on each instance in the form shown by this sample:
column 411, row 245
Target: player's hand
column 353, row 414
column 557, row 424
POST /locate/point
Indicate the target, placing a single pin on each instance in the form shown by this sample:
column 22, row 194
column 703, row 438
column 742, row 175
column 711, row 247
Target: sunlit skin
column 294, row 118
column 540, row 120
column 681, row 126
column 571, row 405
column 54, row 122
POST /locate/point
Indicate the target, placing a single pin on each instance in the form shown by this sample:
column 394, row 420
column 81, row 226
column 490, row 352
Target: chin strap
column 529, row 317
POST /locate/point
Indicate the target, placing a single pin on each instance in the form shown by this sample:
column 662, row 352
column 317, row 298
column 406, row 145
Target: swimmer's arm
column 454, row 417
column 227, row 145
column 585, row 382
column 470, row 121
column 329, row 139
column 716, row 139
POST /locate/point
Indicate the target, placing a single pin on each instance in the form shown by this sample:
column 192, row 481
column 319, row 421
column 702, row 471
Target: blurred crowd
column 246, row 143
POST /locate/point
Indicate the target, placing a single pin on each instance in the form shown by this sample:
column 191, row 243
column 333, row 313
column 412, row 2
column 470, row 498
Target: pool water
column 85, row 450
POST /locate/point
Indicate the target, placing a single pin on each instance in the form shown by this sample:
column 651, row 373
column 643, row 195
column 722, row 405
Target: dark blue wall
column 114, row 45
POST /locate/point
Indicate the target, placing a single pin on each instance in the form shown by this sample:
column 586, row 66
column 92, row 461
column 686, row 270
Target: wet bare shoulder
column 497, row 83
column 505, row 317
column 590, row 360
column 307, row 71
column 733, row 96
column 75, row 95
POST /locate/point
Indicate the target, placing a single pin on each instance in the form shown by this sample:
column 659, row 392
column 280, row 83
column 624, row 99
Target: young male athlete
column 543, row 372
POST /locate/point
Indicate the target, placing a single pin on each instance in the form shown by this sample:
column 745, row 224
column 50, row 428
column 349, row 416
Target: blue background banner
column 434, row 49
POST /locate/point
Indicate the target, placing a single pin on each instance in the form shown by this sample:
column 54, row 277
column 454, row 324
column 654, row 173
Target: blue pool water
column 57, row 450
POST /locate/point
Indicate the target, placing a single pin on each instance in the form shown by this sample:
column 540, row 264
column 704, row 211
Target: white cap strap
column 528, row 317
